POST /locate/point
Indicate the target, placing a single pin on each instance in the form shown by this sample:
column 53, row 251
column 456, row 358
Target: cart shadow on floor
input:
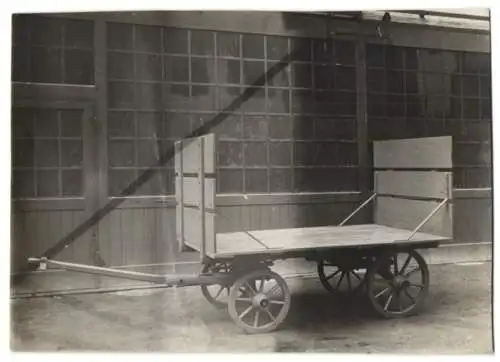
column 317, row 310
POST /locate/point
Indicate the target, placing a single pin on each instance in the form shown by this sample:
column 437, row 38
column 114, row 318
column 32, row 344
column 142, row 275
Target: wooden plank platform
column 314, row 238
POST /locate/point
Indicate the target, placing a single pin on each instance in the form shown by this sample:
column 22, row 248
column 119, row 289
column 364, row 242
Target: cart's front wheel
column 216, row 294
column 398, row 283
column 259, row 301
column 340, row 281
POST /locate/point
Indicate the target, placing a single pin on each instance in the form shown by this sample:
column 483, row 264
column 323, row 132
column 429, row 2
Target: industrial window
column 52, row 50
column 47, row 153
column 421, row 92
column 163, row 83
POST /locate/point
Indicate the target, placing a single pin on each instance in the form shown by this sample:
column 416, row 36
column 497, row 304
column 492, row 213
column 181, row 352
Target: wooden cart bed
column 412, row 187
column 313, row 238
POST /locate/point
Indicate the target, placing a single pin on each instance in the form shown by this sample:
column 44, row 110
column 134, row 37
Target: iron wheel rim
column 386, row 293
column 262, row 309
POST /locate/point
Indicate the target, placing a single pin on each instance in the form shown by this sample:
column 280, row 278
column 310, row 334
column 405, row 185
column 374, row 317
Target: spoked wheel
column 259, row 301
column 398, row 284
column 217, row 295
column 340, row 281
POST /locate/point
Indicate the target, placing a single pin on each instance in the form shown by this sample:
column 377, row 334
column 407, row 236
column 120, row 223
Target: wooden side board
column 422, row 184
column 414, row 153
column 408, row 214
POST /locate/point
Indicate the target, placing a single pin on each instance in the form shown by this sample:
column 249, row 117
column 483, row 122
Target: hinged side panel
column 195, row 193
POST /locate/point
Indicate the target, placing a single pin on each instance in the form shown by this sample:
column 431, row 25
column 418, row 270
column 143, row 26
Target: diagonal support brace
column 428, row 217
column 358, row 209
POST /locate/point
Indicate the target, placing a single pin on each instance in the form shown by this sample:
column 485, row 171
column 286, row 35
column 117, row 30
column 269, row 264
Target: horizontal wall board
column 430, row 184
column 286, row 198
column 48, row 205
column 48, row 92
column 485, row 193
column 428, row 153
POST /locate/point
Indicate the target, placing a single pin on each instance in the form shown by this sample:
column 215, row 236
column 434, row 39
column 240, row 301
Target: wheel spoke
column 379, row 294
column 270, row 315
column 340, row 280
column 389, row 300
column 405, row 265
column 413, row 271
column 261, row 289
column 400, row 302
column 245, row 312
column 331, row 276
column 410, row 296
column 279, row 302
column 219, row 292
column 349, row 281
column 246, row 300
column 356, row 275
column 256, row 320
column 249, row 287
column 396, row 264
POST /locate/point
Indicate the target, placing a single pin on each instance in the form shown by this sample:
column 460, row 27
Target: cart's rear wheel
column 259, row 301
column 217, row 294
column 338, row 280
column 398, row 283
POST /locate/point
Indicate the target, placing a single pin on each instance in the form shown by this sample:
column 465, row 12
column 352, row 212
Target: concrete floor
column 455, row 320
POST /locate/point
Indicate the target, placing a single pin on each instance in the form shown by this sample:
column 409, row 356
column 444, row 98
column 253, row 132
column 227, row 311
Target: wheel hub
column 260, row 300
column 399, row 282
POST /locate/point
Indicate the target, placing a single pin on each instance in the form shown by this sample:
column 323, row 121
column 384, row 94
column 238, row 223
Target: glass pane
column 121, row 153
column 47, row 183
column 175, row 41
column 72, row 183
column 71, row 153
column 253, row 46
column 148, row 38
column 280, row 180
column 202, row 42
column 277, row 47
column 78, row 67
column 230, row 181
column 255, row 181
column 121, row 124
column 47, row 153
column 228, row 45
column 148, row 67
column 71, row 123
column 255, row 154
column 119, row 180
column 23, row 184
column 280, row 153
column 120, row 36
column 229, row 154
column 255, row 127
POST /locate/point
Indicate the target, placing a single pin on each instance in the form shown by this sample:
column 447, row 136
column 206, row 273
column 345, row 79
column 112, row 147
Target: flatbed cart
column 411, row 211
